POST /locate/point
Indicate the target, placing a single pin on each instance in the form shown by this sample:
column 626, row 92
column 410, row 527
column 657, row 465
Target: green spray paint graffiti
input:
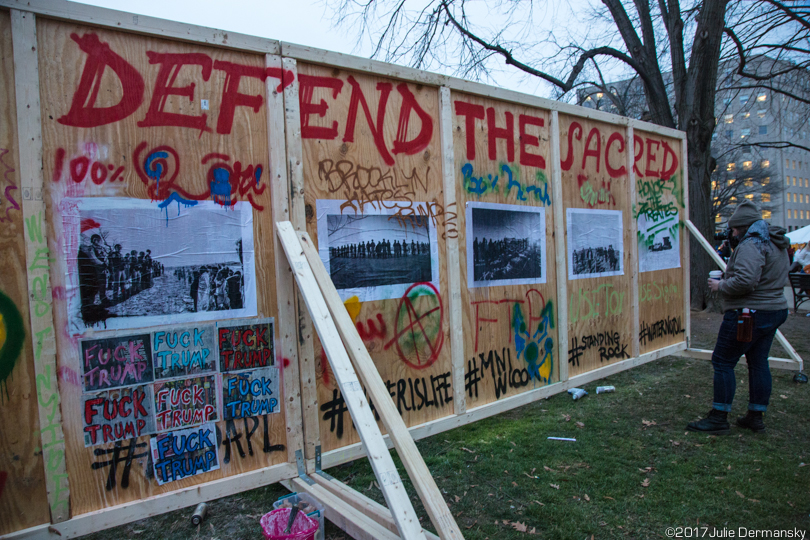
column 489, row 184
column 12, row 337
column 537, row 348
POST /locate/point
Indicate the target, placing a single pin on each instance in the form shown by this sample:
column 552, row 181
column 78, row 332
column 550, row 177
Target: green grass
column 502, row 469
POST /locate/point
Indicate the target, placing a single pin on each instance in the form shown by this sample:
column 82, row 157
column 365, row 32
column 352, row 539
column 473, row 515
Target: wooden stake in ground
column 420, row 475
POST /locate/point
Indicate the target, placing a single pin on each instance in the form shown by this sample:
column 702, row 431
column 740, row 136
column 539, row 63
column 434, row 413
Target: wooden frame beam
column 408, row 452
column 38, row 248
column 350, row 387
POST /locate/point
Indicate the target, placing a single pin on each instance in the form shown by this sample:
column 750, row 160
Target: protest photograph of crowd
column 378, row 250
column 507, row 243
column 132, row 262
column 595, row 243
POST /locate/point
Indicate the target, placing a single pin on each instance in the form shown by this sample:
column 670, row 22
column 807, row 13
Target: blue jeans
column 727, row 353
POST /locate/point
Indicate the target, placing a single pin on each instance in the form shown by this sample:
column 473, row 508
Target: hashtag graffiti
column 333, row 412
column 117, row 457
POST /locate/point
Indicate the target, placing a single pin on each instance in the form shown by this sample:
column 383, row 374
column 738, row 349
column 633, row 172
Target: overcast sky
column 306, row 22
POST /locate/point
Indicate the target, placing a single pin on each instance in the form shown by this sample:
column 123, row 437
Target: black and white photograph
column 595, row 243
column 376, row 256
column 506, row 244
column 659, row 246
column 132, row 264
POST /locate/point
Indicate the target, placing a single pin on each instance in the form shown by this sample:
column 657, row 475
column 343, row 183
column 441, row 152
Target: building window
column 787, row 181
column 766, row 214
column 747, row 165
column 794, row 197
column 749, row 182
column 763, row 130
column 750, row 196
column 787, row 163
column 743, row 100
column 729, row 133
column 727, row 101
column 714, row 185
column 805, row 183
column 731, row 181
column 794, row 180
column 761, row 113
column 729, row 118
column 766, row 180
column 762, row 97
column 745, row 114
column 745, row 132
column 765, row 163
column 731, row 166
column 794, row 164
column 717, row 218
column 766, row 197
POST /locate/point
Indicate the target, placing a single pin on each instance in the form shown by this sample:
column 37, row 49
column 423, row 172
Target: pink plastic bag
column 273, row 525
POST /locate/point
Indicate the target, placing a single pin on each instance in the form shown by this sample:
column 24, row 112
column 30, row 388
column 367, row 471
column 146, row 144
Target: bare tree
column 649, row 39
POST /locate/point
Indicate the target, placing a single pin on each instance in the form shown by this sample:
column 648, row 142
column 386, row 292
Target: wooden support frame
column 561, row 258
column 295, row 185
column 38, row 248
column 379, row 457
column 634, row 263
column 285, row 290
column 710, row 250
column 453, row 268
column 411, row 458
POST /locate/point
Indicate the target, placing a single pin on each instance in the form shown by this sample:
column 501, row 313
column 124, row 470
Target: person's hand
column 714, row 285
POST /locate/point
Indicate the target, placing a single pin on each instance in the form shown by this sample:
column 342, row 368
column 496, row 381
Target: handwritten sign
column 183, row 453
column 185, row 402
column 180, row 352
column 116, row 362
column 246, row 346
column 115, row 415
column 250, row 393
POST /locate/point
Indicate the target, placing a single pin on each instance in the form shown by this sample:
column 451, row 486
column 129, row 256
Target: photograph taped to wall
column 184, row 351
column 506, row 244
column 185, row 452
column 379, row 254
column 595, row 243
column 659, row 246
column 115, row 415
column 132, row 264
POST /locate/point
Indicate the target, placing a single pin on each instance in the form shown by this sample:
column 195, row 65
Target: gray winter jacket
column 757, row 273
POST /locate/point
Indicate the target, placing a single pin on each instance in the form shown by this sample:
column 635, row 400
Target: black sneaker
column 752, row 421
column 715, row 423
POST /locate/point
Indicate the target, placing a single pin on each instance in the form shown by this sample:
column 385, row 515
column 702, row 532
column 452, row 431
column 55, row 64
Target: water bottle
column 745, row 326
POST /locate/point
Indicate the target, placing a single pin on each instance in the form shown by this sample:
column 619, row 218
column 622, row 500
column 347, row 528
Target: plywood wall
column 660, row 201
column 502, row 167
column 123, row 117
column 23, row 498
column 595, row 181
column 135, row 118
column 372, row 144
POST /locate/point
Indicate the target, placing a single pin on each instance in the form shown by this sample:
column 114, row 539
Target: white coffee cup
column 716, row 274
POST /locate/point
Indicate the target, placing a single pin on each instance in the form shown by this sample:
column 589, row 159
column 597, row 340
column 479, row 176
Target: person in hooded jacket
column 755, row 278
